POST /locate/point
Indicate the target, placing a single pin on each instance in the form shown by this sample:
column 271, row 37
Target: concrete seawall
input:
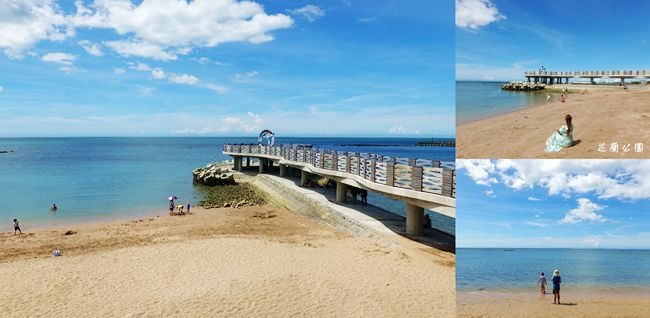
column 364, row 222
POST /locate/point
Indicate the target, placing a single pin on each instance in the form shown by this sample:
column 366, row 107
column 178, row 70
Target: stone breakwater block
column 214, row 174
column 523, row 86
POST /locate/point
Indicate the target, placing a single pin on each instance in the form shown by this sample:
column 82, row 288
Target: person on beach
column 188, row 207
column 54, row 207
column 556, row 286
column 548, row 97
column 562, row 137
column 17, row 227
column 364, row 196
column 427, row 221
column 171, row 207
column 354, row 192
column 562, row 98
column 541, row 281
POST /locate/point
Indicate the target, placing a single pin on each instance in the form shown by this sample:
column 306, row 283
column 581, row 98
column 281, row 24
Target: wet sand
column 604, row 116
column 531, row 304
column 247, row 262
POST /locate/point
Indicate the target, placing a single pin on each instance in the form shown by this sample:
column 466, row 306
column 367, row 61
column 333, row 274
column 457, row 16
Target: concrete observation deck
column 421, row 184
column 551, row 77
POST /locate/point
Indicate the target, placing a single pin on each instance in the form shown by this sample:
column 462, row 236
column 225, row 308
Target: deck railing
column 431, row 176
column 589, row 73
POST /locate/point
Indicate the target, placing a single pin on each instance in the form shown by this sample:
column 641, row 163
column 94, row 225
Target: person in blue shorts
column 556, row 286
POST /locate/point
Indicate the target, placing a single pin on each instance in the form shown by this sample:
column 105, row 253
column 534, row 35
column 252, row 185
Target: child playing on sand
column 17, row 227
column 556, row 286
column 541, row 281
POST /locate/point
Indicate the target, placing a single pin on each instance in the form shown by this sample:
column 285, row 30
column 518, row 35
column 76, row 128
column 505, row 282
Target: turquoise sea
column 476, row 100
column 497, row 269
column 110, row 178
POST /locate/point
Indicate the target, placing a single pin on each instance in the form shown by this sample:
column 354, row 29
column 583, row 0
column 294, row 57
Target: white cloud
column 138, row 48
column 217, row 88
column 158, row 73
column 531, row 198
column 184, row 79
column 480, row 170
column 1, row 89
column 474, row 14
column 91, row 48
column 245, row 76
column 23, row 23
column 399, row 130
column 162, row 29
column 235, row 123
column 119, row 71
column 607, row 179
column 60, row 58
column 593, row 241
column 69, row 69
column 139, row 67
column 490, row 193
column 204, row 60
column 586, row 211
column 309, row 12
column 157, row 29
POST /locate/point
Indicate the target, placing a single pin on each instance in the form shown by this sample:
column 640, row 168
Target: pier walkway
column 551, row 77
column 420, row 183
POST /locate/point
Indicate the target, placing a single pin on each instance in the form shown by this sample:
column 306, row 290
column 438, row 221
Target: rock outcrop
column 523, row 86
column 214, row 174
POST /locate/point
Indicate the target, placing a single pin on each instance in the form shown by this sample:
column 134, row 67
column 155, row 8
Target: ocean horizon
column 106, row 178
column 517, row 269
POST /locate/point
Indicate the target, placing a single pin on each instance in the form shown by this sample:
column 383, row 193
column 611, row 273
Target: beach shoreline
column 533, row 304
column 555, row 91
column 250, row 261
column 601, row 117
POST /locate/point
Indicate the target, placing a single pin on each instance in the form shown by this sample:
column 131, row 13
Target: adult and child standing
column 556, row 280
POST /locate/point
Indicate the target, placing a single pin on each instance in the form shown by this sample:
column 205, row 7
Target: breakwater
column 523, row 86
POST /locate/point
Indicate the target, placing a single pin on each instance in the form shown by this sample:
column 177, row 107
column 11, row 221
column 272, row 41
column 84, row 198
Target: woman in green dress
column 562, row 137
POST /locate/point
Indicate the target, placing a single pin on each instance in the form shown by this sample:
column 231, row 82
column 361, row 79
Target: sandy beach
column 531, row 304
column 606, row 116
column 252, row 261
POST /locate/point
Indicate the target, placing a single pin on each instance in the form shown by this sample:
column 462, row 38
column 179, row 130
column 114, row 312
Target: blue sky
column 500, row 39
column 553, row 203
column 175, row 68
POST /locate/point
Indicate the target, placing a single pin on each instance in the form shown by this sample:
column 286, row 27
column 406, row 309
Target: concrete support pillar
column 622, row 81
column 238, row 163
column 528, row 78
column 341, row 192
column 262, row 163
column 283, row 170
column 248, row 162
column 303, row 177
column 414, row 219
